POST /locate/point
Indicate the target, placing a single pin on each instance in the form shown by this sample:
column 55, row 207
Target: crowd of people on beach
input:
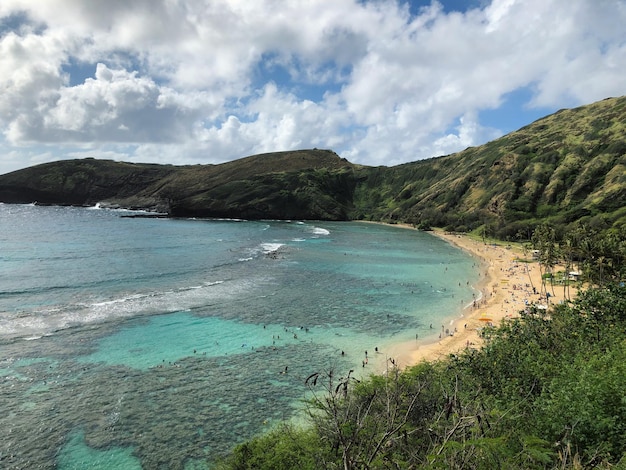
column 506, row 287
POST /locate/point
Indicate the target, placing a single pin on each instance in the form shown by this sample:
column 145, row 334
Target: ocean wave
column 97, row 206
column 103, row 206
column 47, row 320
column 222, row 219
column 271, row 247
column 268, row 248
column 319, row 231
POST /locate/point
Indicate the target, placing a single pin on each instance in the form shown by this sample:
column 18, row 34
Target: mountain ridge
column 567, row 167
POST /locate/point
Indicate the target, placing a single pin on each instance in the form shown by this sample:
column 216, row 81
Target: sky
column 380, row 82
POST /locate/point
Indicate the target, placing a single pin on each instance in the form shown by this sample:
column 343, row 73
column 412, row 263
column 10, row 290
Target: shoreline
column 506, row 288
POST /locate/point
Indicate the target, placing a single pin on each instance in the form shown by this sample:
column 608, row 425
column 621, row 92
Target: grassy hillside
column 566, row 168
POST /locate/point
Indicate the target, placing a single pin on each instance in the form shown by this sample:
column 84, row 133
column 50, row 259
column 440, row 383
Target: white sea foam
column 42, row 322
column 271, row 247
column 104, row 206
column 477, row 299
column 320, row 231
column 118, row 301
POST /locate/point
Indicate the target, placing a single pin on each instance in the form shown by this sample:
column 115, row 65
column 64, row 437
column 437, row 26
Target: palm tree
column 544, row 240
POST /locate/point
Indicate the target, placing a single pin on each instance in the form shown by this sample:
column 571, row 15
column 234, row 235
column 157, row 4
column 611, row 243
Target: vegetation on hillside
column 546, row 391
column 565, row 168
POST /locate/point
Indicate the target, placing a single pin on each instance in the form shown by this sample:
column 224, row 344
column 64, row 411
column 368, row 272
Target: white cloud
column 116, row 106
column 211, row 80
column 275, row 121
column 29, row 72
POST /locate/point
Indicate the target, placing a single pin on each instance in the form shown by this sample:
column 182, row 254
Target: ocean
column 139, row 342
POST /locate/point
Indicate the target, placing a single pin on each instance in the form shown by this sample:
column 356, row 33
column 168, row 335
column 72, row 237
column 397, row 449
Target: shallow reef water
column 165, row 416
column 161, row 344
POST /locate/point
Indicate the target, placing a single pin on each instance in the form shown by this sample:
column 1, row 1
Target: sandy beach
column 506, row 287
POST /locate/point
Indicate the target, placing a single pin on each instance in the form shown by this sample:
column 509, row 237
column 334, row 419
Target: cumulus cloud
column 115, row 106
column 379, row 81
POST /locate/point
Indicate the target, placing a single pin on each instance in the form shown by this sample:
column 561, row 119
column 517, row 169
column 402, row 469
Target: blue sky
column 381, row 82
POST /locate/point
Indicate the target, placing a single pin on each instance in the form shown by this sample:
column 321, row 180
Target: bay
column 137, row 342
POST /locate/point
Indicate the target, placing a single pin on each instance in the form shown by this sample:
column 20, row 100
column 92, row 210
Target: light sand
column 506, row 286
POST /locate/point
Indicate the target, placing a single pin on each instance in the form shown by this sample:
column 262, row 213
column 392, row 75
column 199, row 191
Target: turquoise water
column 77, row 455
column 155, row 343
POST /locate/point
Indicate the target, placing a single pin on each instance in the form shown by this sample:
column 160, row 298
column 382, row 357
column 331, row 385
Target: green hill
column 567, row 167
